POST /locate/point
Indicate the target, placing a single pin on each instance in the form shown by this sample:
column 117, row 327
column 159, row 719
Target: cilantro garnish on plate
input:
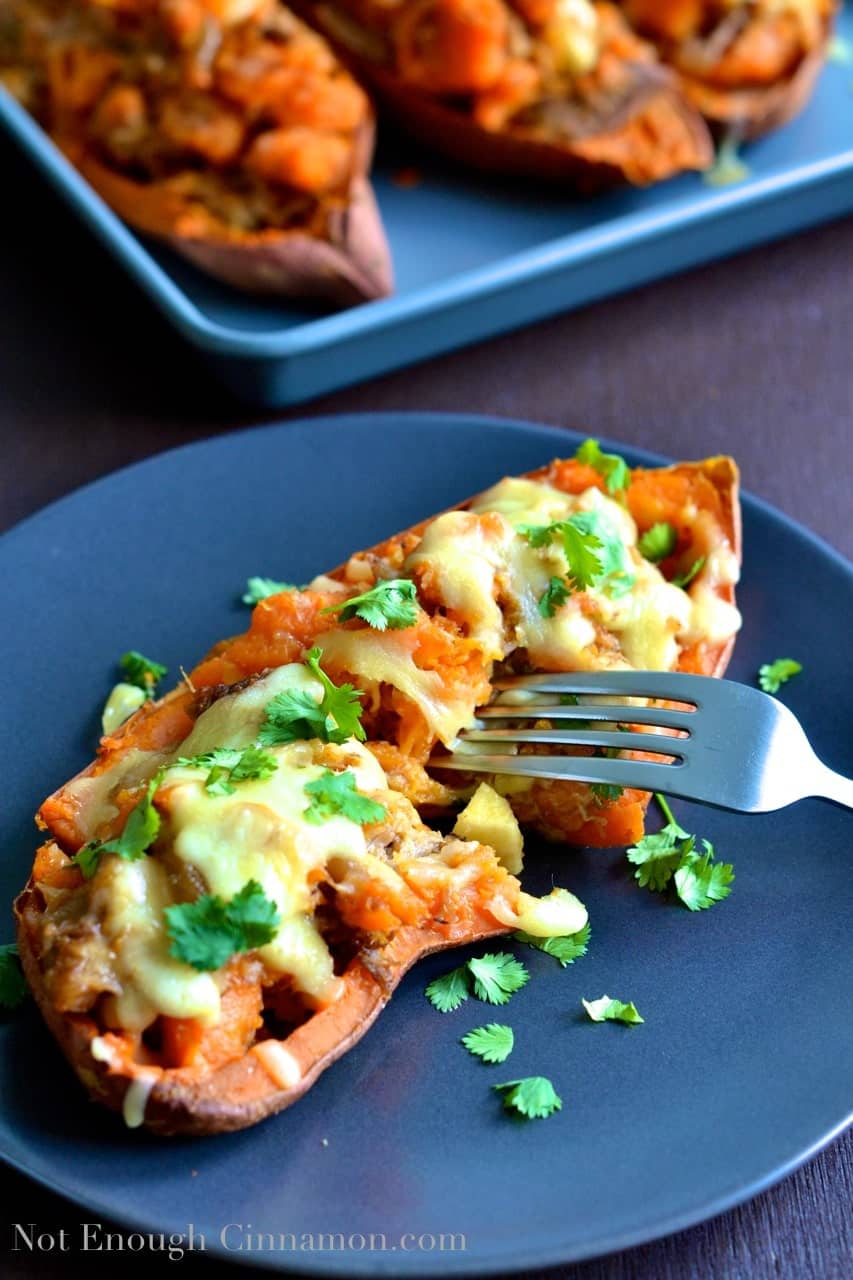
column 773, row 675
column 258, row 589
column 447, row 992
column 492, row 1043
column 497, row 977
column 607, row 1010
column 669, row 857
column 566, row 949
column 532, row 1097
column 13, row 987
column 493, row 978
column 142, row 672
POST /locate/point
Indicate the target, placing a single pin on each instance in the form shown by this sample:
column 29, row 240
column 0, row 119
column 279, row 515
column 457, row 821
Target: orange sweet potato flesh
column 760, row 80
column 635, row 126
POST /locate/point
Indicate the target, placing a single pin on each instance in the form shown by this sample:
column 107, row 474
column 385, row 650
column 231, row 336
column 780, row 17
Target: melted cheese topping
column 232, row 721
column 257, row 833
column 485, row 573
column 384, row 658
column 651, row 620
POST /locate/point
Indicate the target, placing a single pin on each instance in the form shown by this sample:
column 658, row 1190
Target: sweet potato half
column 227, row 130
column 531, row 88
column 178, row 1076
column 749, row 67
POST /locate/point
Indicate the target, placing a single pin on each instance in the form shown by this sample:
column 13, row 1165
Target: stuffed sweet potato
column 228, row 895
column 240, row 914
column 749, row 66
column 226, row 129
column 554, row 89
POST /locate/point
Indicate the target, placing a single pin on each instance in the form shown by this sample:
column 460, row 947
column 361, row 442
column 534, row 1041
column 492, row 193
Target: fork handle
column 834, row 786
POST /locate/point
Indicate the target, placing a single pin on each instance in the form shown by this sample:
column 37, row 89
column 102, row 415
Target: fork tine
column 658, row 743
column 661, row 716
column 639, row 774
column 673, row 686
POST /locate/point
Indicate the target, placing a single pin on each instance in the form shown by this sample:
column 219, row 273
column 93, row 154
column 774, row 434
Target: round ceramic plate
column 400, row 1159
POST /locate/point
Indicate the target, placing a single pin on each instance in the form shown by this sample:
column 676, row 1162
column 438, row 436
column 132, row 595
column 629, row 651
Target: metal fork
column 737, row 748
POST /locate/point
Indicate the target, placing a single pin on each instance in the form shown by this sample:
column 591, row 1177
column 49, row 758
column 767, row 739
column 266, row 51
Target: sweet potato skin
column 242, row 1092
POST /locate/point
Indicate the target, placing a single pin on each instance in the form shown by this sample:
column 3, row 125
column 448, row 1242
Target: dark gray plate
column 743, row 1067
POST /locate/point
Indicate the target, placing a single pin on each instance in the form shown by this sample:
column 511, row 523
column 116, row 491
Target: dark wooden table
column 753, row 356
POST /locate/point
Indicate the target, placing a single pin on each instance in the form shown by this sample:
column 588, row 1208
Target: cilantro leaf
column 657, row 856
column 538, row 535
column 228, row 765
column 607, row 1010
column 295, row 714
column 140, row 831
column 554, row 597
column 142, row 672
column 492, row 1043
column 391, row 604
column 87, row 858
column 497, row 977
column 580, row 545
column 13, row 987
column 566, row 949
column 684, row 579
column 605, row 792
column 533, row 1097
column 292, row 716
column 658, row 542
column 450, row 990
column 208, row 932
column 335, row 794
column 612, row 467
column 773, row 675
column 255, row 915
column 261, row 588
column 669, row 857
column 611, row 552
column 700, row 882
